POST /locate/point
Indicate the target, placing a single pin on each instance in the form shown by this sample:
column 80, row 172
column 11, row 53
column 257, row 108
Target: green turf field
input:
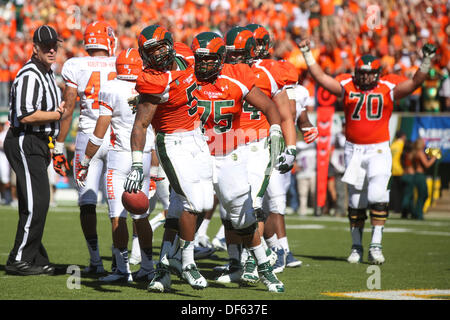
column 417, row 254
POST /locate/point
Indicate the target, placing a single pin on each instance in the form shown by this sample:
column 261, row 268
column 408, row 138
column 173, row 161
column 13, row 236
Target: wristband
column 309, row 59
column 425, row 65
column 85, row 162
column 59, row 147
column 95, row 140
column 137, row 157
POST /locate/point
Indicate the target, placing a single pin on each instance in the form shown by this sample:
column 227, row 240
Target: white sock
column 135, row 248
column 244, row 256
column 203, row 227
column 356, row 233
column 221, row 233
column 122, row 260
column 377, row 234
column 273, row 242
column 264, row 244
column 187, row 252
column 284, row 243
column 260, row 254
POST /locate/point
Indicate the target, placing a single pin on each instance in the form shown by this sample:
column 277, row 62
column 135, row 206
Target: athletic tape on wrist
column 425, row 65
column 309, row 59
column 59, row 147
column 137, row 157
column 154, row 171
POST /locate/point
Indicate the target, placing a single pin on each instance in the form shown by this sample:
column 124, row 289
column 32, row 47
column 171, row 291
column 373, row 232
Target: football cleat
column 269, row 278
column 194, row 278
column 94, row 269
column 117, row 276
column 356, row 255
column 161, row 281
column 280, row 264
column 219, row 244
column 272, row 256
column 250, row 273
column 232, row 273
column 376, row 255
column 143, row 275
column 291, row 262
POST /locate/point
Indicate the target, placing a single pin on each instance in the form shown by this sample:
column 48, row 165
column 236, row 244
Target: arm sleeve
column 28, row 95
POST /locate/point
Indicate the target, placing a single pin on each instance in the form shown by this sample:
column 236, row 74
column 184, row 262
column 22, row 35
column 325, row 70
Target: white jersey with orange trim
column 302, row 99
column 88, row 75
column 113, row 100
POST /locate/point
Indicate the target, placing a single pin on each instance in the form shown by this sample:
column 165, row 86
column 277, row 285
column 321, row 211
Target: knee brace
column 171, row 223
column 247, row 230
column 379, row 211
column 355, row 215
column 87, row 209
column 261, row 216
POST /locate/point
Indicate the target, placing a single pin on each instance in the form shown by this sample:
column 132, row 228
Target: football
column 135, row 203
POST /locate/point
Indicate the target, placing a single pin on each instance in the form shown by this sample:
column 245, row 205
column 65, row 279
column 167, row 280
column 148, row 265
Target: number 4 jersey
column 87, row 75
column 367, row 113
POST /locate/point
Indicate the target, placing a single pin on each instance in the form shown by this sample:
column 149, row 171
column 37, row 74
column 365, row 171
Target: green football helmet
column 240, row 46
column 156, row 47
column 209, row 53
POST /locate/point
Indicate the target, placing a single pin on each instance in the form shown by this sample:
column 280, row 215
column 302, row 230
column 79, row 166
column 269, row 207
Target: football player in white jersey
column 275, row 197
column 84, row 76
column 115, row 111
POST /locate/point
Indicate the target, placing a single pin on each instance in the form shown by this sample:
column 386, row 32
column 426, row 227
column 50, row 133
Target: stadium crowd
column 340, row 31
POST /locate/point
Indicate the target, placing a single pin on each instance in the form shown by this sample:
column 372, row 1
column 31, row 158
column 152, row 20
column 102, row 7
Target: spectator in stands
column 407, row 179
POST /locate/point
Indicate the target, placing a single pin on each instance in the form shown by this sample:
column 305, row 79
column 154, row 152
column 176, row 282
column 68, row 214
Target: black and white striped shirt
column 34, row 88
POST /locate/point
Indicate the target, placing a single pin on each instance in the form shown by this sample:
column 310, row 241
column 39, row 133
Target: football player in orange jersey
column 223, row 88
column 275, row 197
column 83, row 77
column 166, row 101
column 368, row 105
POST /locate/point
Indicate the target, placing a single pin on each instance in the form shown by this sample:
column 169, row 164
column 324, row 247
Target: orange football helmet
column 128, row 64
column 100, row 35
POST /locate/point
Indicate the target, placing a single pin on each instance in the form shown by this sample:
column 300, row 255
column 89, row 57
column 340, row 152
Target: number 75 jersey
column 87, row 75
column 367, row 113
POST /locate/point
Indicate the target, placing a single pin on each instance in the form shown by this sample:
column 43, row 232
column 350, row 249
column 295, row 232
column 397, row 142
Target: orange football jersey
column 177, row 109
column 220, row 107
column 367, row 113
column 271, row 77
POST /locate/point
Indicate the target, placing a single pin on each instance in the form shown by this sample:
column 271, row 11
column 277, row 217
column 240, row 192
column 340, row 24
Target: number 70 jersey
column 87, row 75
column 367, row 113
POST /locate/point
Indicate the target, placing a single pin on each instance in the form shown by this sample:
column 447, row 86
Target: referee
column 34, row 113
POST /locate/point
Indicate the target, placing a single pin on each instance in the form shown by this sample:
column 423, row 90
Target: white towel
column 355, row 174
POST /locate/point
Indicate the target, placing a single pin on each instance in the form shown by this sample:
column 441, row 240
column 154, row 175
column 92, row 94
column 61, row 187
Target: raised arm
column 324, row 80
column 406, row 87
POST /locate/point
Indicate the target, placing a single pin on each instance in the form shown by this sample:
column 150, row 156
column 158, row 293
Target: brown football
column 135, row 203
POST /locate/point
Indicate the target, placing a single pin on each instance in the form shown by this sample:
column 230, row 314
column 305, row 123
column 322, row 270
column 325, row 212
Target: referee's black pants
column 29, row 157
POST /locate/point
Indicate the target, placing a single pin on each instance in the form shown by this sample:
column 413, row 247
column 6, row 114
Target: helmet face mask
column 367, row 72
column 156, row 49
column 262, row 39
column 209, row 51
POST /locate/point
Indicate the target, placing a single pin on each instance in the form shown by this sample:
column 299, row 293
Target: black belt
column 41, row 135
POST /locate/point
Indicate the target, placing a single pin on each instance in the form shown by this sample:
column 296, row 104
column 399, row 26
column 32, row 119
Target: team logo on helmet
column 128, row 64
column 367, row 72
column 156, row 48
column 262, row 39
column 209, row 53
column 240, row 46
column 100, row 35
